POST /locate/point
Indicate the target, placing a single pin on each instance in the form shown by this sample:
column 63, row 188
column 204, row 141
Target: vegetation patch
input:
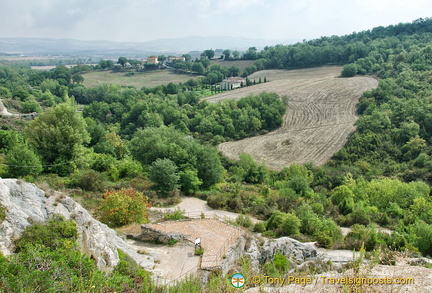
column 2, row 213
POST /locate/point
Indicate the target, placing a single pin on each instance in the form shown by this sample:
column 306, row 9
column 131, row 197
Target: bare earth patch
column 319, row 119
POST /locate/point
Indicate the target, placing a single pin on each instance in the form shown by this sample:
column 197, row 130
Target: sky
column 145, row 20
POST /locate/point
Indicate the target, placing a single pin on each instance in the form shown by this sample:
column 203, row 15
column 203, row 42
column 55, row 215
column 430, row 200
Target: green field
column 137, row 79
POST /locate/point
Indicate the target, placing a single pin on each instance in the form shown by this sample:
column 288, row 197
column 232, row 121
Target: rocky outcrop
column 260, row 250
column 25, row 203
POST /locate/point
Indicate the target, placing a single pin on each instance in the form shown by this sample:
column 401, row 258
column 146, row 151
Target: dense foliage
column 381, row 177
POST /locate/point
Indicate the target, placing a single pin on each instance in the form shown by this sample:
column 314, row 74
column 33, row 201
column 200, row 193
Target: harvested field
column 319, row 119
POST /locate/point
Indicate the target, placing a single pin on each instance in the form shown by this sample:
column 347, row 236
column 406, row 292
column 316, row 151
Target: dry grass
column 320, row 115
column 137, row 79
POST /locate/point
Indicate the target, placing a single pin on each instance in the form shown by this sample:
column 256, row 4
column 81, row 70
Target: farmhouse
column 232, row 83
column 172, row 58
column 152, row 60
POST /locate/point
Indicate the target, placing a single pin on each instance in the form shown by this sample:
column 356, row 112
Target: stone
column 25, row 203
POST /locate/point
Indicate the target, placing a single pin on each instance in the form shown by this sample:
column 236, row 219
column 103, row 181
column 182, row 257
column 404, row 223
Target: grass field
column 319, row 119
column 137, row 79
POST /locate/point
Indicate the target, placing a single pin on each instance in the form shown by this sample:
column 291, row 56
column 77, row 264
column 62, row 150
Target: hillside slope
column 319, row 119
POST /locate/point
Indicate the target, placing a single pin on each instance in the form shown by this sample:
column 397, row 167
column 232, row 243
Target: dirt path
column 193, row 208
column 320, row 115
column 4, row 111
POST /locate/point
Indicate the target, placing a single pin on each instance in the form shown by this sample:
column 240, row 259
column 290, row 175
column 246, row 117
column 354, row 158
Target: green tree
column 163, row 172
column 209, row 166
column 62, row 74
column 77, row 78
column 209, row 53
column 189, row 181
column 22, row 161
column 122, row 61
column 227, row 54
column 198, row 67
column 58, row 134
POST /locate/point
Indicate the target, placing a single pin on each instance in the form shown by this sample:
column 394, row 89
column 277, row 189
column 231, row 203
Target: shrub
column 89, row 180
column 2, row 213
column 199, row 251
column 122, row 207
column 56, row 233
column 259, row 227
column 349, row 70
column 244, row 221
column 290, row 225
column 423, row 242
column 128, row 267
column 361, row 236
column 278, row 266
column 176, row 215
column 217, row 201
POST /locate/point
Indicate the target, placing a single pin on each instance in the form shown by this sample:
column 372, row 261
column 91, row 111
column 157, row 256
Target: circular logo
column 238, row 280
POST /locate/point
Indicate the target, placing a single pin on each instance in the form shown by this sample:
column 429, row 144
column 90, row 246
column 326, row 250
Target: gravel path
column 193, row 208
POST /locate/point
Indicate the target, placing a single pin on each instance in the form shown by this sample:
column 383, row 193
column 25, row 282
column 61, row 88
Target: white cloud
column 140, row 20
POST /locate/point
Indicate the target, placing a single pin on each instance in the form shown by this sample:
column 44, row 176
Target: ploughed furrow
column 320, row 115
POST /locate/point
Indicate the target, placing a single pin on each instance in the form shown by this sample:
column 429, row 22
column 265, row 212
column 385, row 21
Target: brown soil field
column 319, row 118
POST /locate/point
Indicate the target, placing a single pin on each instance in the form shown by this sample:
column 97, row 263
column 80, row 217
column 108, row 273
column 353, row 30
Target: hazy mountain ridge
column 178, row 45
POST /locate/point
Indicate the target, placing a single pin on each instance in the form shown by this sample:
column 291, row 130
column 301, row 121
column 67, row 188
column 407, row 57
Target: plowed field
column 319, row 118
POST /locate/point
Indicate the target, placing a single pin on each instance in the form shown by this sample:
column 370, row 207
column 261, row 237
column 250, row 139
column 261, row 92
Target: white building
column 232, row 83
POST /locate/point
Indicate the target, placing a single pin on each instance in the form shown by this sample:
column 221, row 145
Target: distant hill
column 174, row 46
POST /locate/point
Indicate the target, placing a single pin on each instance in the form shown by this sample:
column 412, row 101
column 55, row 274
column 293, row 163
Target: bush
column 278, row 266
column 2, row 213
column 290, row 225
column 259, row 227
column 217, row 201
column 244, row 221
column 122, row 207
column 89, row 180
column 176, row 215
column 423, row 242
column 349, row 70
column 56, row 233
column 361, row 236
column 128, row 267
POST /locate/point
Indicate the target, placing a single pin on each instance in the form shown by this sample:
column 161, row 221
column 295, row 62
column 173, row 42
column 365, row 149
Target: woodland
column 115, row 146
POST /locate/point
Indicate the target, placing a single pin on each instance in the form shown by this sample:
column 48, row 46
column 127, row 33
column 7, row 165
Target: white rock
column 25, row 203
